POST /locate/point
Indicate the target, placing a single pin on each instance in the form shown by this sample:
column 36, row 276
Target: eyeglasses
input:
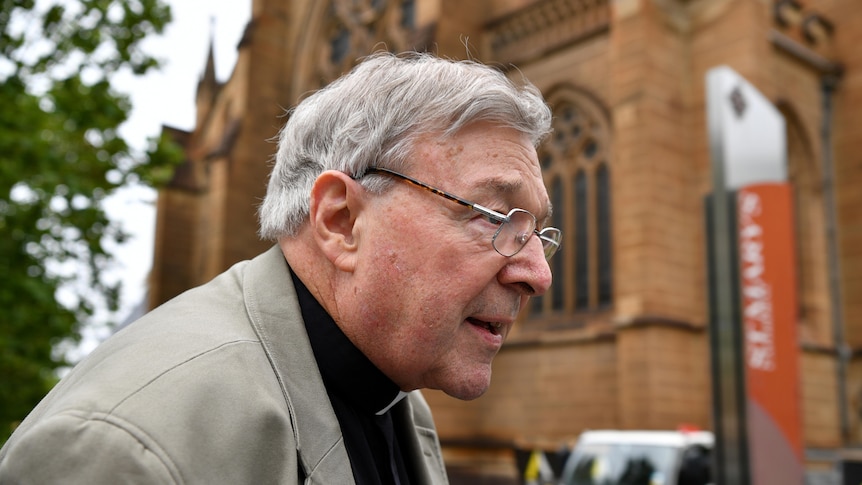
column 515, row 229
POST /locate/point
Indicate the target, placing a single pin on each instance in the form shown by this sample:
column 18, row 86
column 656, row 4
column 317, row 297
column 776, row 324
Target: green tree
column 60, row 156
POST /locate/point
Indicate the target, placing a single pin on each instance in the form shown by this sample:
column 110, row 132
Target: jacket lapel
column 275, row 315
column 422, row 447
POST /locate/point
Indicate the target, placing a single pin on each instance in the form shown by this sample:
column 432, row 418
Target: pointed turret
column 209, row 76
column 208, row 85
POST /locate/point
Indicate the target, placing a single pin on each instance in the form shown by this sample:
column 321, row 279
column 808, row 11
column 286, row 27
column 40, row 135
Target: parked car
column 610, row 457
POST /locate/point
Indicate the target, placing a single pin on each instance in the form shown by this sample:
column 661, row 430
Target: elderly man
column 304, row 364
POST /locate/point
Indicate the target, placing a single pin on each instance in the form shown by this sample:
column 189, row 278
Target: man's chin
column 466, row 390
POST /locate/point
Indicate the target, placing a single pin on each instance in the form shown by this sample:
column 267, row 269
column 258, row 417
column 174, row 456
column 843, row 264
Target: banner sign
column 767, row 264
column 753, row 301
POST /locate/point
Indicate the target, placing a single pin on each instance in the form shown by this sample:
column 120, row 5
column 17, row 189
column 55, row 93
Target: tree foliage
column 60, row 156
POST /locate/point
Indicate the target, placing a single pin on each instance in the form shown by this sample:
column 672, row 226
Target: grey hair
column 373, row 116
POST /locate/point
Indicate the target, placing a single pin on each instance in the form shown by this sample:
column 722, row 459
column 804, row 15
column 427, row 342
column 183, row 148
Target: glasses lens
column 514, row 233
column 551, row 237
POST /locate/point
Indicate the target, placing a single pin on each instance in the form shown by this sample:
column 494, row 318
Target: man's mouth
column 493, row 327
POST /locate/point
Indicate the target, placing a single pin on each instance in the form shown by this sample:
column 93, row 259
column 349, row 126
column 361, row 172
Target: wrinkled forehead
column 491, row 165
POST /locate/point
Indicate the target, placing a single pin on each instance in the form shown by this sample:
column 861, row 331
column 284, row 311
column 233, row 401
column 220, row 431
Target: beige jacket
column 218, row 385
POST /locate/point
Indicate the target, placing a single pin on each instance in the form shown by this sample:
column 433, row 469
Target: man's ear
column 336, row 200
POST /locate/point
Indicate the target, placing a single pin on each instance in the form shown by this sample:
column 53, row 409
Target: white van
column 640, row 458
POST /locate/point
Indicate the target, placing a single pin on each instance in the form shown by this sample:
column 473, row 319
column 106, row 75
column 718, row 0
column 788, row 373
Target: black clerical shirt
column 361, row 397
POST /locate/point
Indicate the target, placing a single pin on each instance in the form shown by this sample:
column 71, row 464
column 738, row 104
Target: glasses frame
column 550, row 237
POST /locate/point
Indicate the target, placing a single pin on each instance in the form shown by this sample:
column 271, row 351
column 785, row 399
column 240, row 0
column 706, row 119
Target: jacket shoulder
column 74, row 447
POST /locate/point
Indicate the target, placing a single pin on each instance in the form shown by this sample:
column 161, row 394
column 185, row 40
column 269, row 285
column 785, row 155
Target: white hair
column 373, row 115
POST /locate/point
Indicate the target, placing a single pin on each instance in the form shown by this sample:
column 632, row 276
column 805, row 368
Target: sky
column 164, row 97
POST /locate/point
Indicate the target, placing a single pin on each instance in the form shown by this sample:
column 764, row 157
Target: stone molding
column 544, row 27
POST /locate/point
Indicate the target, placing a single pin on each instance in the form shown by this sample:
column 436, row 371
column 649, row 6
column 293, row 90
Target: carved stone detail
column 357, row 28
column 544, row 26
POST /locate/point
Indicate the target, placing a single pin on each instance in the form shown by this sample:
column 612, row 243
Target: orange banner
column 769, row 306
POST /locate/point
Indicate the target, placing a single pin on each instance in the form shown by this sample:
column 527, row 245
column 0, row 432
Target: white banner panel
column 746, row 129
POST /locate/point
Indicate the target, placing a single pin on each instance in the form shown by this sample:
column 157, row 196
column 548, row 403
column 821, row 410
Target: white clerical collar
column 401, row 395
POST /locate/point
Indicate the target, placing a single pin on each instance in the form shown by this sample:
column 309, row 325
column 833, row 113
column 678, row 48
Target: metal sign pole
column 731, row 467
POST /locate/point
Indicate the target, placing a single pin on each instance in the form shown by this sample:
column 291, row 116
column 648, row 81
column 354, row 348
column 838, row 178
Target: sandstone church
column 622, row 339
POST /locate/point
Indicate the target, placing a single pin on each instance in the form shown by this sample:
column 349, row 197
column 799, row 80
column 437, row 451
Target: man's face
column 433, row 301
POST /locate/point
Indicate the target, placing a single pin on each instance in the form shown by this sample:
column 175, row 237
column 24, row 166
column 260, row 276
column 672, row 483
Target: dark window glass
column 558, row 268
column 590, row 149
column 536, row 305
column 339, row 45
column 408, row 14
column 582, row 271
column 603, row 223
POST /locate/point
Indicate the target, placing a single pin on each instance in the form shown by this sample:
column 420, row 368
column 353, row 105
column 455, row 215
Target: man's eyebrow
column 506, row 187
column 510, row 188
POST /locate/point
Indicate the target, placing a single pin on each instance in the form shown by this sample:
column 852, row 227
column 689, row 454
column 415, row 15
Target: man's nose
column 528, row 271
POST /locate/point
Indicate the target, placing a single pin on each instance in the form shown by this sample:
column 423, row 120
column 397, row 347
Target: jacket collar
column 275, row 315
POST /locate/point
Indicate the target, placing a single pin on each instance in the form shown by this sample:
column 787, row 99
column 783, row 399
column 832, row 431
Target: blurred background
column 162, row 96
column 134, row 141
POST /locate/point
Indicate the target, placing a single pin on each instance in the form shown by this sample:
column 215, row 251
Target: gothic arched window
column 575, row 162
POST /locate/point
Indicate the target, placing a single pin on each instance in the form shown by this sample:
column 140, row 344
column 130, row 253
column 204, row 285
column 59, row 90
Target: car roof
column 656, row 438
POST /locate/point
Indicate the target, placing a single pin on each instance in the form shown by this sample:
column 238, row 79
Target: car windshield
column 620, row 464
